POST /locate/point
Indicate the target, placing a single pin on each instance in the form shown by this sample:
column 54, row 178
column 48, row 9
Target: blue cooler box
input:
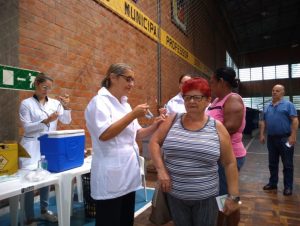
column 64, row 149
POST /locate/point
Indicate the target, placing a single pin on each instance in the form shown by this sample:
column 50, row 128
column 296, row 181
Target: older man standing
column 281, row 122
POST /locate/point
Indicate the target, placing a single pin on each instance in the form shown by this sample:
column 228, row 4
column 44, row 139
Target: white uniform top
column 32, row 113
column 115, row 167
column 176, row 105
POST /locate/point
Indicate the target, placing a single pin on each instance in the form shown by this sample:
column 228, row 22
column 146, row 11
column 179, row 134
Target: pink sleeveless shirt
column 215, row 110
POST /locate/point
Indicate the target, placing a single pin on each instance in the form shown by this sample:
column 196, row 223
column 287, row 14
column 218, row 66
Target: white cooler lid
column 70, row 132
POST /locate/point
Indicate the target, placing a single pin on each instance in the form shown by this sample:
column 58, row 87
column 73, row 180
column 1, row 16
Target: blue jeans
column 193, row 212
column 277, row 148
column 29, row 202
column 222, row 178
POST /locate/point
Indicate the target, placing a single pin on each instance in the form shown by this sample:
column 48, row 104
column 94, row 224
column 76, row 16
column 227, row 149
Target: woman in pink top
column 228, row 108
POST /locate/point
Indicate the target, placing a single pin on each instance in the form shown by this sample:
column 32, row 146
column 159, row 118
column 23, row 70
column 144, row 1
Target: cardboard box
column 10, row 151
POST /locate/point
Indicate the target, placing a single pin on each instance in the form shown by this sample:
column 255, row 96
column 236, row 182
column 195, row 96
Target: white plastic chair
column 142, row 169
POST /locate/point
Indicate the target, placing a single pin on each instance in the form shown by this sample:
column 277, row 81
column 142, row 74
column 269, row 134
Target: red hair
column 199, row 84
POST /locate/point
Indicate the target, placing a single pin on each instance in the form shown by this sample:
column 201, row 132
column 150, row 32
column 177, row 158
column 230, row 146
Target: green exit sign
column 17, row 78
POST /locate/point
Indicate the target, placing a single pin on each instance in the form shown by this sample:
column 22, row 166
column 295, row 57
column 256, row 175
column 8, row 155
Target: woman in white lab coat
column 113, row 126
column 38, row 114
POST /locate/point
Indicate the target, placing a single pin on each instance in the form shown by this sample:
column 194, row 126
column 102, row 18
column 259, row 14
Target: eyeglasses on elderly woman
column 196, row 98
column 127, row 78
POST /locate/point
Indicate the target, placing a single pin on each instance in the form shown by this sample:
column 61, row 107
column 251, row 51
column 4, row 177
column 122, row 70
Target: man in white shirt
column 176, row 104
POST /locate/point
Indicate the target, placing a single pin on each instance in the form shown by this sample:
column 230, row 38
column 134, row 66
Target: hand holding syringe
column 64, row 101
column 149, row 114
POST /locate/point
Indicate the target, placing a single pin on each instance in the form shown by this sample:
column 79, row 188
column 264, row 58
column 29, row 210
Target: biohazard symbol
column 3, row 162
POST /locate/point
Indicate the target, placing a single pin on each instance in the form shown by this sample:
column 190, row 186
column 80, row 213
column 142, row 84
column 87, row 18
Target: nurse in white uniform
column 113, row 126
column 38, row 114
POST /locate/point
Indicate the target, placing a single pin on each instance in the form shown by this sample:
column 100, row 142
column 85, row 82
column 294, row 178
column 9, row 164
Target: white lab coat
column 32, row 113
column 176, row 105
column 115, row 167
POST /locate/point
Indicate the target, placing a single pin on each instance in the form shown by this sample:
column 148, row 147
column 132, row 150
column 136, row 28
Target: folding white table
column 14, row 189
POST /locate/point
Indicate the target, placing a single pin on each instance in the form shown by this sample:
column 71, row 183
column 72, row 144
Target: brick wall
column 75, row 41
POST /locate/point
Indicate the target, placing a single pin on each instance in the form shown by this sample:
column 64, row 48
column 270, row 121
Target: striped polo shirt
column 191, row 159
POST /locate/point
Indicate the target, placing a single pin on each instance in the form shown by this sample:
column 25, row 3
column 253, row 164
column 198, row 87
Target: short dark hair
column 227, row 74
column 182, row 76
column 41, row 77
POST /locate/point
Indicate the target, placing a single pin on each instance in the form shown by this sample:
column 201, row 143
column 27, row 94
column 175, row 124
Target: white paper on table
column 9, row 177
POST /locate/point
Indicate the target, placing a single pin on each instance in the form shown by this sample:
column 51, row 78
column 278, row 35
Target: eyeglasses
column 196, row 98
column 127, row 78
column 46, row 87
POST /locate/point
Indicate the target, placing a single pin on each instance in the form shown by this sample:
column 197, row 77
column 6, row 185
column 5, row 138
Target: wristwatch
column 235, row 198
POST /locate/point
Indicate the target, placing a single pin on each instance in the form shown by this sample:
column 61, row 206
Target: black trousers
column 116, row 212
